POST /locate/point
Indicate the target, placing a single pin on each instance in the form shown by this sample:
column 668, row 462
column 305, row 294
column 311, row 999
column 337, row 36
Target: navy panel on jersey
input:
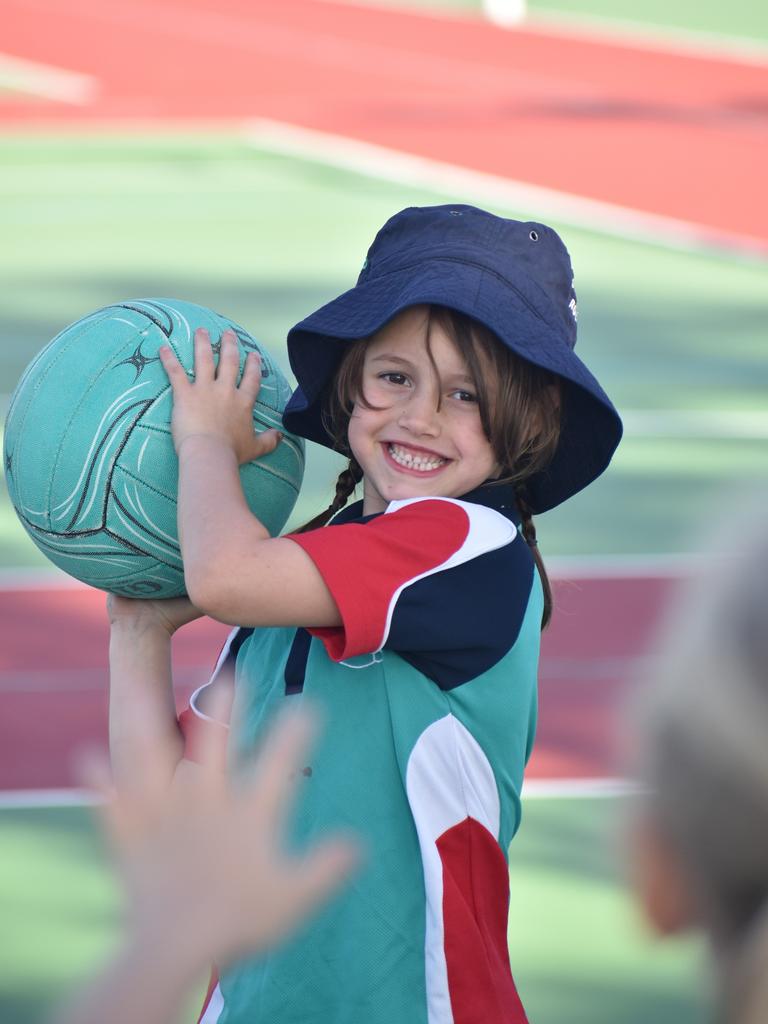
column 482, row 604
column 467, row 561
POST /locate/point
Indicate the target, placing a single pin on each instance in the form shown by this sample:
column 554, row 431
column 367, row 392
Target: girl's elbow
column 206, row 590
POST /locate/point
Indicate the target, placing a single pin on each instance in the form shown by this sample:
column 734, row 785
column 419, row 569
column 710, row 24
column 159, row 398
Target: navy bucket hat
column 514, row 277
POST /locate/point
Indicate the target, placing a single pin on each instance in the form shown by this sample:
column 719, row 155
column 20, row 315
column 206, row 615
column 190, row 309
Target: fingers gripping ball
column 89, row 459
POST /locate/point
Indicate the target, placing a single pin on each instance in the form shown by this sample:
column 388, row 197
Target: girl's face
column 424, row 436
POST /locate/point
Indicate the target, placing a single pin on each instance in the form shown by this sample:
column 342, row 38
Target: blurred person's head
column 700, row 729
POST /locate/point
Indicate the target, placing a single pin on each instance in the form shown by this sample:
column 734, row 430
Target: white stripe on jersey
column 488, row 531
column 448, row 779
column 214, row 675
column 214, row 1009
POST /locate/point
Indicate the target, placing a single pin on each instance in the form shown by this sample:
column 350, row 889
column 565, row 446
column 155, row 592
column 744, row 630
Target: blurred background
column 242, row 155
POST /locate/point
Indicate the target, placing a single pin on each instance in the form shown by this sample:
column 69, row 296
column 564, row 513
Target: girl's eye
column 465, row 396
column 394, row 377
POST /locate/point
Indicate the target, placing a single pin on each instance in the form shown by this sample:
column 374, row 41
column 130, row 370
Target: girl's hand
column 169, row 614
column 213, row 404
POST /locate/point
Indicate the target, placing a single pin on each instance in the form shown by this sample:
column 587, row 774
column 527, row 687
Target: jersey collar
column 500, row 497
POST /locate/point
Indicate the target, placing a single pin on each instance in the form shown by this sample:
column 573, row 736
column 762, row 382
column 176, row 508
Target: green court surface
column 746, row 19
column 575, row 940
column 676, row 338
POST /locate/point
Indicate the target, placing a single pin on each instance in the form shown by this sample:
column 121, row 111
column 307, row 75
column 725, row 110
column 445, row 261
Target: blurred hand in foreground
column 204, row 871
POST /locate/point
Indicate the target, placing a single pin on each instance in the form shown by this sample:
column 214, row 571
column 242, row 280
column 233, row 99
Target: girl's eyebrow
column 386, row 358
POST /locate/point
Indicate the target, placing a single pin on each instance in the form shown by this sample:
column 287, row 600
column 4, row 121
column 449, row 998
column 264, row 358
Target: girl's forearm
column 139, row 660
column 215, row 523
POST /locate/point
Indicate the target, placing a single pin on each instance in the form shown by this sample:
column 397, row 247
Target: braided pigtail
column 528, row 531
column 346, row 482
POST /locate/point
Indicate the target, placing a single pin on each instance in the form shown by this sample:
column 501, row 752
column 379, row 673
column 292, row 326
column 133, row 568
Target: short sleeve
column 431, row 579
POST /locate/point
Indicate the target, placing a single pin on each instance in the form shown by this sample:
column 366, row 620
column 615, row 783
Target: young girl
column 448, row 376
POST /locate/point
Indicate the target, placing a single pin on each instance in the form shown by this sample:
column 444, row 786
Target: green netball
column 89, row 460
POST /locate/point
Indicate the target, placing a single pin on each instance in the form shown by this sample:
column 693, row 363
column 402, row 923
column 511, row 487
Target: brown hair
column 520, row 416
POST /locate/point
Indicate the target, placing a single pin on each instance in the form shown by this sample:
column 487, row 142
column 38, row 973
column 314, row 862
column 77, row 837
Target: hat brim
column 591, row 427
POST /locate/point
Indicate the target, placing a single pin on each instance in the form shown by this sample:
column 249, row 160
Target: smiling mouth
column 408, row 460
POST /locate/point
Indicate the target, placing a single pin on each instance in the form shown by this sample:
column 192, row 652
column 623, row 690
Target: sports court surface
column 242, row 155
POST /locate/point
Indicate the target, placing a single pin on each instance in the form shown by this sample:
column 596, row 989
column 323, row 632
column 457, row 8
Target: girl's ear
column 659, row 877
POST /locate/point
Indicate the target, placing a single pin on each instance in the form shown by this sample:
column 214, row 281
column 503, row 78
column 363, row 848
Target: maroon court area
column 53, row 676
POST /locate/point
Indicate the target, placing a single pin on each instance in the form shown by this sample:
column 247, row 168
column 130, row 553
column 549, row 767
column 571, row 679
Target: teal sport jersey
column 428, row 700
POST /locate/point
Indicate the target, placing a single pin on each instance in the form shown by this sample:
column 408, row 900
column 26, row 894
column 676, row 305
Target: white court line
column 460, row 183
column 640, row 35
column 557, row 789
column 714, row 424
column 673, row 424
column 534, row 789
column 53, row 83
column 637, row 35
column 29, row 799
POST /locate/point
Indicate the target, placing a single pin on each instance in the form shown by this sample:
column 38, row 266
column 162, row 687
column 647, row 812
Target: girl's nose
column 419, row 414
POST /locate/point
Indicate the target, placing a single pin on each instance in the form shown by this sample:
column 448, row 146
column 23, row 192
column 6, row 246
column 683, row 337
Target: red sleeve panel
column 368, row 566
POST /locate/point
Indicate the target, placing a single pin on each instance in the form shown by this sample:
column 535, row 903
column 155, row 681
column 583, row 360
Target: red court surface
column 53, row 676
column 659, row 132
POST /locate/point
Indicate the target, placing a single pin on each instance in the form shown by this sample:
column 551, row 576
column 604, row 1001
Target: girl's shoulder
column 473, row 527
column 413, row 538
column 437, row 575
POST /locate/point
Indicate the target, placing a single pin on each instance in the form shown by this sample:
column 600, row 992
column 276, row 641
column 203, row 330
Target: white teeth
column 421, row 462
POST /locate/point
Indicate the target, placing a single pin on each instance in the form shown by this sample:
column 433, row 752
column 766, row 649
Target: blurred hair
column 701, row 736
column 520, row 411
